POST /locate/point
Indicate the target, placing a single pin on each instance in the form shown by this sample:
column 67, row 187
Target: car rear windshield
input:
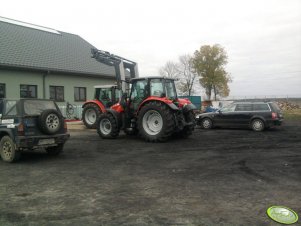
column 275, row 107
column 36, row 107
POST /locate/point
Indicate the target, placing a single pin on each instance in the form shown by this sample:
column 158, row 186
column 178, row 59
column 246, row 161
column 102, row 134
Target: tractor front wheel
column 156, row 122
column 107, row 126
column 90, row 114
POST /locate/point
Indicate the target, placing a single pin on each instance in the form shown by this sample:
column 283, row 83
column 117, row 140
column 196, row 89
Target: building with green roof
column 39, row 62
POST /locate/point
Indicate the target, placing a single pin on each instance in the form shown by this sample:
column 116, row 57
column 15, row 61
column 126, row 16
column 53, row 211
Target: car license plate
column 46, row 141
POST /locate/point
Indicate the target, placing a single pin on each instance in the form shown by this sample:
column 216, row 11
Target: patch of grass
column 294, row 114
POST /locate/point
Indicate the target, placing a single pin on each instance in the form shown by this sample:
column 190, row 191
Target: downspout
column 44, row 84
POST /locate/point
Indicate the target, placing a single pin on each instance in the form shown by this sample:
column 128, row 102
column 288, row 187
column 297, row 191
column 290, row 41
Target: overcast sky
column 262, row 37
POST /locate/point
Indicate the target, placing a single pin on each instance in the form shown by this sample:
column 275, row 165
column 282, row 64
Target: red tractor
column 107, row 95
column 153, row 110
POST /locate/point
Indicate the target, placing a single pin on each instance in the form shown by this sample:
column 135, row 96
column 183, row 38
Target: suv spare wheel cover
column 50, row 121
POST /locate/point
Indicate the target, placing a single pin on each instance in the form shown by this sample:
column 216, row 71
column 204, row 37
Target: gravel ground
column 216, row 177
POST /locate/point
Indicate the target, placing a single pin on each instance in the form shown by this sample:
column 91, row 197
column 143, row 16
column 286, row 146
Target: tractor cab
column 151, row 88
column 107, row 94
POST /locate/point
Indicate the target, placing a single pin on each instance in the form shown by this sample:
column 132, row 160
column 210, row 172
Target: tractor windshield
column 163, row 87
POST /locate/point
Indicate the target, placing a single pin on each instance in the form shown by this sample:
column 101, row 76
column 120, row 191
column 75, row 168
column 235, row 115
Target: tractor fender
column 189, row 107
column 116, row 115
column 96, row 102
column 173, row 106
column 168, row 103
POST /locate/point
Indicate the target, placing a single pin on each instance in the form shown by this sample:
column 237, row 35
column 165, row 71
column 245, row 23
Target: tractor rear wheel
column 107, row 126
column 156, row 122
column 90, row 114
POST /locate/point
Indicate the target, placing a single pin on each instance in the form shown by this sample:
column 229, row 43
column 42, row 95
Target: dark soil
column 215, row 177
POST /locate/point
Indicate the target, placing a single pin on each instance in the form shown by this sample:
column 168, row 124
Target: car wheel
column 55, row 150
column 50, row 121
column 206, row 123
column 257, row 125
column 8, row 150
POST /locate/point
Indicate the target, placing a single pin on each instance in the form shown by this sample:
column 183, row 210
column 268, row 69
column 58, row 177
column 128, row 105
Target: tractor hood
column 185, row 104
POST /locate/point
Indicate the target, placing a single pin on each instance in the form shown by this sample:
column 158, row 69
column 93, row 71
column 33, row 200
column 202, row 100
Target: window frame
column 4, row 90
column 56, row 93
column 27, row 91
column 79, row 92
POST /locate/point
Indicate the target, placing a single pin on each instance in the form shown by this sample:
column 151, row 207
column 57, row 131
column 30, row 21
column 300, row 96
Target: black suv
column 27, row 124
column 255, row 115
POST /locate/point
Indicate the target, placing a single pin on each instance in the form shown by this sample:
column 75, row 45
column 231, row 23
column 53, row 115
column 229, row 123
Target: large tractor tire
column 156, row 122
column 90, row 115
column 107, row 127
column 187, row 130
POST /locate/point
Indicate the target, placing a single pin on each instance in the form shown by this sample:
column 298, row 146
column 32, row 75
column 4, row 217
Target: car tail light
column 21, row 129
column 274, row 115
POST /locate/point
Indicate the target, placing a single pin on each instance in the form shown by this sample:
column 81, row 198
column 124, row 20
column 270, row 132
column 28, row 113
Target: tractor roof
column 154, row 77
column 105, row 86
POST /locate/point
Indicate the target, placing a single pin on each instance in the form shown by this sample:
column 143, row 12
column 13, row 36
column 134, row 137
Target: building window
column 2, row 90
column 28, row 91
column 80, row 93
column 56, row 93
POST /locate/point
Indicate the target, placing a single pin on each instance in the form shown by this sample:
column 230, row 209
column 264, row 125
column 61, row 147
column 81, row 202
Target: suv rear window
column 36, row 107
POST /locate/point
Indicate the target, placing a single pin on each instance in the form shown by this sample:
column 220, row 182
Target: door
column 138, row 94
column 225, row 116
column 243, row 114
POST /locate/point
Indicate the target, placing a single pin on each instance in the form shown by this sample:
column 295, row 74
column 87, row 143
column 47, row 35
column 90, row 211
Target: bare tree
column 187, row 75
column 169, row 70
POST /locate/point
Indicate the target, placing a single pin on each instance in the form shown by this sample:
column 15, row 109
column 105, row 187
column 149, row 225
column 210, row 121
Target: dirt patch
column 216, row 177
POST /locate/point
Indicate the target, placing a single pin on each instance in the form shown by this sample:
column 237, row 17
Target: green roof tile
column 25, row 47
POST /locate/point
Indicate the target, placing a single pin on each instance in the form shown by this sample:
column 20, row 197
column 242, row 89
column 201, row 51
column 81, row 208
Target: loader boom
column 120, row 64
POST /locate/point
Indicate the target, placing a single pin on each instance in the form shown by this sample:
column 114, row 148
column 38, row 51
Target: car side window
column 243, row 107
column 229, row 108
column 261, row 107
